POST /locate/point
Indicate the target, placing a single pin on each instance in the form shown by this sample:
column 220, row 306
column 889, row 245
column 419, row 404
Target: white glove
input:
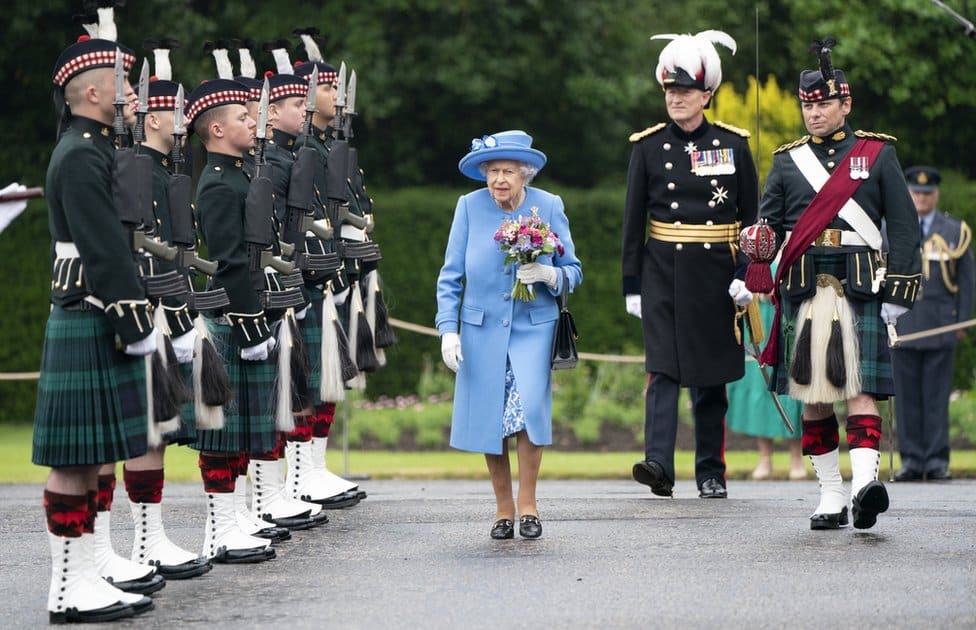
column 10, row 209
column 340, row 298
column 534, row 272
column 259, row 352
column 739, row 293
column 451, row 350
column 183, row 345
column 633, row 305
column 144, row 346
column 300, row 315
column 891, row 312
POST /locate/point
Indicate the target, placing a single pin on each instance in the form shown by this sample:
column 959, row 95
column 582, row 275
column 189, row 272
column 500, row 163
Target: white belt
column 352, row 232
column 65, row 249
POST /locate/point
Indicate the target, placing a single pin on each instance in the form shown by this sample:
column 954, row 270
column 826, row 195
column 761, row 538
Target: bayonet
column 118, row 125
column 351, row 94
column 179, row 131
column 139, row 133
column 341, row 87
column 262, row 130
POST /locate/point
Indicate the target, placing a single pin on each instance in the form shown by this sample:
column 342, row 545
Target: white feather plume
column 311, row 48
column 695, row 54
column 92, row 29
column 247, row 63
column 106, row 24
column 161, row 63
column 282, row 61
column 224, row 69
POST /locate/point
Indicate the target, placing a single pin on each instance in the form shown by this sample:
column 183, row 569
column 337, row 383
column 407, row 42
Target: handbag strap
column 563, row 297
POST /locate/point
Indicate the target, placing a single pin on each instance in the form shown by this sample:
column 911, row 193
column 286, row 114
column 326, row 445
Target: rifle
column 132, row 187
column 299, row 217
column 181, row 219
column 259, row 234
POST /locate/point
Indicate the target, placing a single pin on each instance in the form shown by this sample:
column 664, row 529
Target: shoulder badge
column 873, row 134
column 792, row 145
column 640, row 135
column 736, row 130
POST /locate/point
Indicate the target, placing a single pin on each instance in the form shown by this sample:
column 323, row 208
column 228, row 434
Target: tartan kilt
column 91, row 398
column 311, row 328
column 249, row 425
column 875, row 357
column 187, row 433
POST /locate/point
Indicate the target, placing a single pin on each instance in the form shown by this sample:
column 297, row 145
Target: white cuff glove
column 451, row 350
column 144, row 346
column 300, row 315
column 534, row 272
column 340, row 298
column 891, row 312
column 739, row 293
column 259, row 352
column 633, row 305
column 183, row 345
column 10, row 209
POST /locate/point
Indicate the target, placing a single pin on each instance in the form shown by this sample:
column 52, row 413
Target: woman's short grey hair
column 528, row 171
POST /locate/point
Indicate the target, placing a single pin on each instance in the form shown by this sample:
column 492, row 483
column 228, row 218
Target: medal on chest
column 713, row 162
column 859, row 167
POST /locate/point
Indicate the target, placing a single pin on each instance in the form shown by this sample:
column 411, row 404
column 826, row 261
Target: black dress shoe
column 907, row 474
column 829, row 521
column 503, row 529
column 712, row 489
column 942, row 474
column 651, row 473
column 530, row 526
column 143, row 586
column 870, row 501
column 184, row 571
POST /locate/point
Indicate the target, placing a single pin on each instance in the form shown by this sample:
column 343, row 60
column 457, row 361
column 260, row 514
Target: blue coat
column 474, row 286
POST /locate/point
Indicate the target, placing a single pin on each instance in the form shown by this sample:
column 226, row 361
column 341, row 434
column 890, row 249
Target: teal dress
column 751, row 409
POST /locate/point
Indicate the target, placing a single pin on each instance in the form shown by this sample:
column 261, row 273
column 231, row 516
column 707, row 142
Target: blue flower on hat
column 503, row 145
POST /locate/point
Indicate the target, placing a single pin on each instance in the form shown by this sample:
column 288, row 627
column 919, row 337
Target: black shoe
column 274, row 534
column 530, row 526
column 942, row 474
column 651, row 473
column 712, row 489
column 907, row 474
column 503, row 529
column 243, row 556
column 184, row 571
column 118, row 610
column 143, row 586
column 870, row 501
column 829, row 521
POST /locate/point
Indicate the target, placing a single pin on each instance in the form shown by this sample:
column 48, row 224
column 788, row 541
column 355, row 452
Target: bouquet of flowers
column 523, row 240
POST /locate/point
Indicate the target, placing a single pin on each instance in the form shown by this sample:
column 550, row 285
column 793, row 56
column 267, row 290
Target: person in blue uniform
column 500, row 347
column 835, row 186
column 691, row 186
column 923, row 368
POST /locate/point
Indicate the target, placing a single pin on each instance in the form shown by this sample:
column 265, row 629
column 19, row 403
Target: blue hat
column 282, row 86
column 504, row 145
column 922, row 178
column 86, row 54
column 214, row 93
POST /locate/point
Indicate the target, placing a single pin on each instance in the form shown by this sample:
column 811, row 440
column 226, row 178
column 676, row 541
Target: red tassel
column 759, row 277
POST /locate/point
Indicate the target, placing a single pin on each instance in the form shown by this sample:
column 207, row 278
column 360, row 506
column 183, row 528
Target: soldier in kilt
column 316, row 482
column 92, row 398
column 691, row 184
column 826, row 196
column 241, row 332
column 144, row 476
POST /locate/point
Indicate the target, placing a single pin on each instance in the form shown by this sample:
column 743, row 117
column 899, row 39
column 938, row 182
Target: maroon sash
column 835, row 192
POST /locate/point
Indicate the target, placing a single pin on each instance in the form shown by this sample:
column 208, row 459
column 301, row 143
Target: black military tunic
column 687, row 314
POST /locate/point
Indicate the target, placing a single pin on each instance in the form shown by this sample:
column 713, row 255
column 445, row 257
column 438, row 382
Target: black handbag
column 564, row 355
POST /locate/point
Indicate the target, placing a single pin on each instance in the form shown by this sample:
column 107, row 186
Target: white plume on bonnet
column 692, row 53
column 224, row 68
column 247, row 62
column 106, row 24
column 164, row 70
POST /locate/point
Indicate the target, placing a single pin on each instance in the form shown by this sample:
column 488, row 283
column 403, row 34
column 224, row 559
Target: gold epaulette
column 739, row 131
column 791, row 145
column 873, row 134
column 640, row 135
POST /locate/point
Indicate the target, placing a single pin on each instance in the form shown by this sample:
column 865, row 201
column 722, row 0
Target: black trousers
column 923, row 382
column 661, row 426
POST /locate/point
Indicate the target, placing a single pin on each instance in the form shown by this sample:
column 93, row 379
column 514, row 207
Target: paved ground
column 417, row 555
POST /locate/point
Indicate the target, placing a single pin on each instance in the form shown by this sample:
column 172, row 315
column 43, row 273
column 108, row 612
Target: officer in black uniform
column 923, row 368
column 693, row 185
column 844, row 270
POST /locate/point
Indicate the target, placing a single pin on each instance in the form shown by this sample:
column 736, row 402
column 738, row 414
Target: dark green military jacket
column 221, row 194
column 883, row 196
column 81, row 210
column 177, row 312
